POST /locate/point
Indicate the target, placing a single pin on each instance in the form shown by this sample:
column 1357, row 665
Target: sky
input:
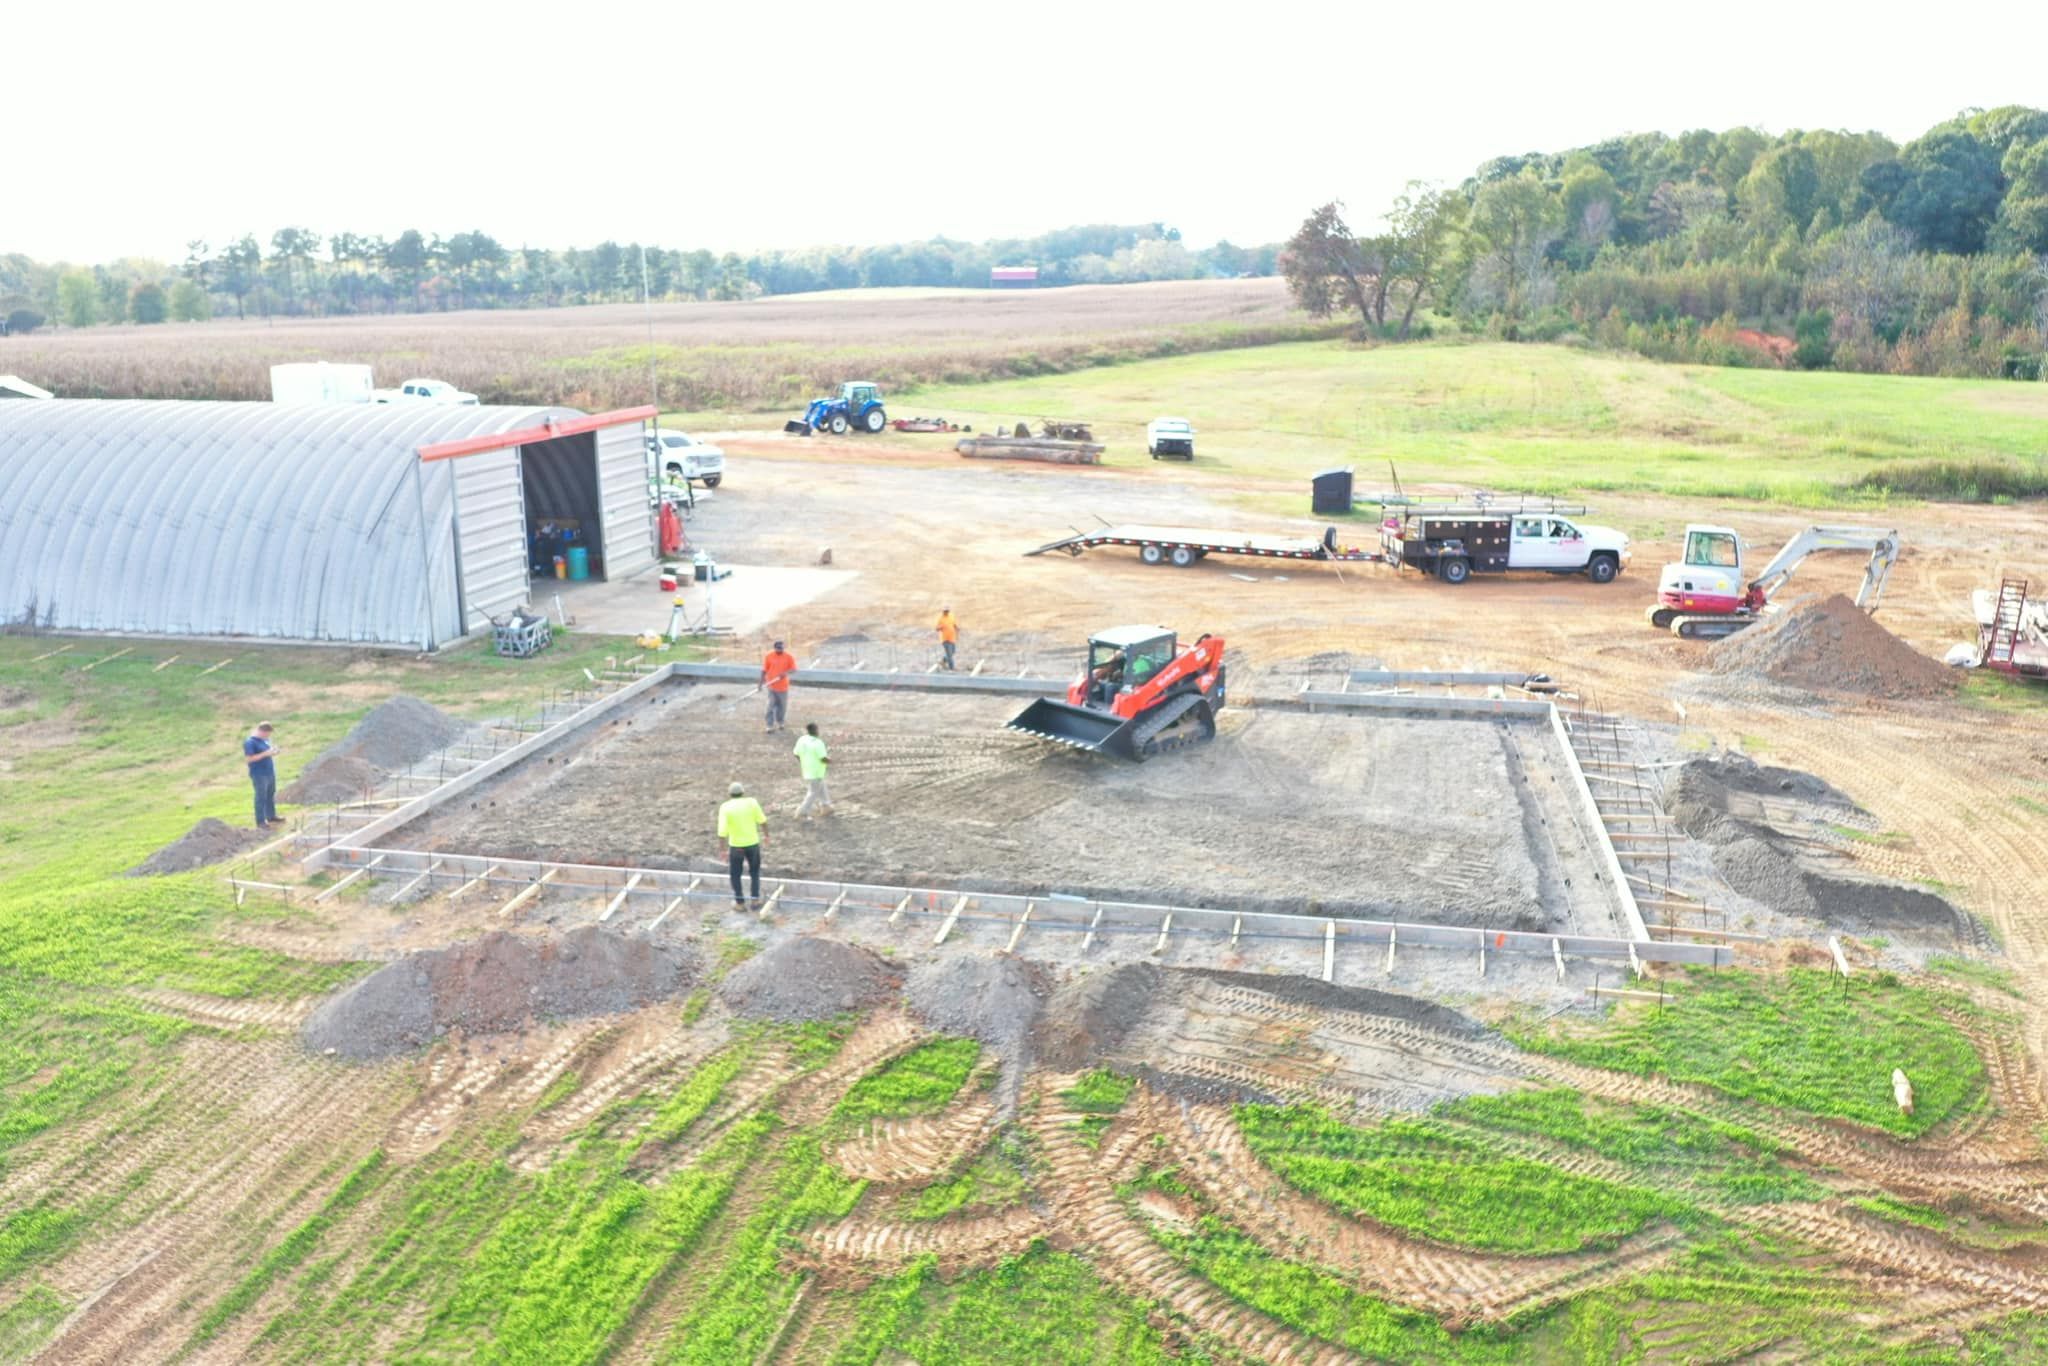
column 132, row 130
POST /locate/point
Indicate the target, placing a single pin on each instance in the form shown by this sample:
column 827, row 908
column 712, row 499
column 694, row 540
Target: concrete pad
column 749, row 601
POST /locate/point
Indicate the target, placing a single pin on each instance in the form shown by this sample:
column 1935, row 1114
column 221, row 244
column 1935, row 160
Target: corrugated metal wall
column 490, row 534
column 629, row 545
column 292, row 523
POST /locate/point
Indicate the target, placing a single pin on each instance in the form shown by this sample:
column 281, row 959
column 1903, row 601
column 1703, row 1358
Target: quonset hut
column 383, row 524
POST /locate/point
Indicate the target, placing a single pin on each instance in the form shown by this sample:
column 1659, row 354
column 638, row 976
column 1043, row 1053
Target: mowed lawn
column 1541, row 418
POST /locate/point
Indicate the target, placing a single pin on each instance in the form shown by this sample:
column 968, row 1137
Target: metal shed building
column 380, row 524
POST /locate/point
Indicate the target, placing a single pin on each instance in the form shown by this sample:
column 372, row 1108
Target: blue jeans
column 949, row 648
column 266, row 797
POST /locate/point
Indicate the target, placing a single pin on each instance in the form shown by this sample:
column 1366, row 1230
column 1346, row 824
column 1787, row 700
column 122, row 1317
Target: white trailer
column 319, row 381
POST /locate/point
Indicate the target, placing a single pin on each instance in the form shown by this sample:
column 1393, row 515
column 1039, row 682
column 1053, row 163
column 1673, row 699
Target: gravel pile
column 1832, row 645
column 807, row 979
column 210, row 841
column 1089, row 1016
column 396, row 733
column 497, row 983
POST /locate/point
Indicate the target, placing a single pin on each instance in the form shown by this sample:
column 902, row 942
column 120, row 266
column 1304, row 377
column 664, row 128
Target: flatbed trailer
column 1184, row 546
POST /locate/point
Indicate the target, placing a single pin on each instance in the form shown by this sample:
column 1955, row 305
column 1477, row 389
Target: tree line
column 307, row 273
column 1813, row 248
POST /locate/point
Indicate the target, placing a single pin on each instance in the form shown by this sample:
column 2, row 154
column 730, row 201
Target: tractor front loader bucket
column 1063, row 723
column 797, row 427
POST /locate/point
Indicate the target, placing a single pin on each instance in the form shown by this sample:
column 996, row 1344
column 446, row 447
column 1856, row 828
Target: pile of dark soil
column 396, row 733
column 497, row 983
column 1834, row 646
column 1708, row 799
column 808, row 979
column 996, row 999
column 210, row 841
column 1089, row 1016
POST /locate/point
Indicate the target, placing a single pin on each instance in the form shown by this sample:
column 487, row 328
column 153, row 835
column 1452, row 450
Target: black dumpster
column 1331, row 491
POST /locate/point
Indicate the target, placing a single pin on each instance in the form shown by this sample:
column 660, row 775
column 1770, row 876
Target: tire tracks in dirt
column 919, row 1149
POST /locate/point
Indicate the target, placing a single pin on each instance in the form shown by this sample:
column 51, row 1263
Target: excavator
column 1705, row 596
column 1141, row 694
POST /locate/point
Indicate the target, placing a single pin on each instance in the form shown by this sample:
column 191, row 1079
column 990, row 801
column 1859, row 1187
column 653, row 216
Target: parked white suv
column 682, row 456
column 424, row 391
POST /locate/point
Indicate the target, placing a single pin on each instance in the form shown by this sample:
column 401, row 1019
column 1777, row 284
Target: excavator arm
column 1882, row 545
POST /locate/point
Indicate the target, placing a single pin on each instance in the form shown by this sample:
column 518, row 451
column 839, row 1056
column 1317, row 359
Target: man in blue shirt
column 258, row 753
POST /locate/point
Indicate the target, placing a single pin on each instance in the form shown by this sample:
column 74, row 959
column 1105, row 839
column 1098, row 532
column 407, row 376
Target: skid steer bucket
column 1066, row 724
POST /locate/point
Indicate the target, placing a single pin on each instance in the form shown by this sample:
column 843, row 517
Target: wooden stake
column 1557, row 953
column 1089, row 938
column 424, row 874
column 474, row 882
column 837, row 901
column 1165, row 928
column 664, row 914
column 901, row 907
column 1635, row 963
column 947, row 928
column 1018, row 933
column 166, row 664
column 1390, row 950
column 620, row 899
column 326, row 892
column 124, row 650
column 1329, row 950
column 769, row 904
column 1236, row 924
column 50, row 654
column 211, row 667
column 531, row 891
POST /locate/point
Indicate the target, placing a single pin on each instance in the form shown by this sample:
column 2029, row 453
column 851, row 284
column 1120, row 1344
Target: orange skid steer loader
column 1140, row 695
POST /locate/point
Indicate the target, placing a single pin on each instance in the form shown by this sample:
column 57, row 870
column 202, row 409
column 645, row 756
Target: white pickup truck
column 679, row 455
column 1170, row 437
column 424, row 391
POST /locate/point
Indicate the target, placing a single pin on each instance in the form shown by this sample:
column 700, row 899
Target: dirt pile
column 1834, row 646
column 1089, row 1016
column 496, row 983
column 210, row 841
column 807, row 979
column 1717, row 801
column 996, row 999
column 396, row 733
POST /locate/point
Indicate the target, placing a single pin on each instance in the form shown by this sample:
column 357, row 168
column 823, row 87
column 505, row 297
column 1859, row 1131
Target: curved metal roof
column 259, row 519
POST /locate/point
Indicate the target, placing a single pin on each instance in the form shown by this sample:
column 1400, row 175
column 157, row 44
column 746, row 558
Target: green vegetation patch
column 1100, row 1094
column 27, row 1323
column 1419, row 1177
column 696, row 1095
column 1047, row 1308
column 742, row 1307
column 921, row 1081
column 294, row 1249
column 1796, row 1040
column 998, row 1177
column 1973, row 970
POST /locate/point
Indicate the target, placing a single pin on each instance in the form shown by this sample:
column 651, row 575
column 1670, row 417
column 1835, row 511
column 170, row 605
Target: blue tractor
column 857, row 408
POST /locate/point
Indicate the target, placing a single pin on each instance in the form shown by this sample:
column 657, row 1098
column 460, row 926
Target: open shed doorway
column 562, row 503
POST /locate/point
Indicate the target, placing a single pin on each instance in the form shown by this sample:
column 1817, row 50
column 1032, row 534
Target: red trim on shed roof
column 575, row 426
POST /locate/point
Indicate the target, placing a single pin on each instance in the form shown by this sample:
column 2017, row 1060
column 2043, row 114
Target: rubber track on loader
column 1150, row 739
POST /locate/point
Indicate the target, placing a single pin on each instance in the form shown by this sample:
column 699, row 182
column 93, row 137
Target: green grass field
column 1551, row 419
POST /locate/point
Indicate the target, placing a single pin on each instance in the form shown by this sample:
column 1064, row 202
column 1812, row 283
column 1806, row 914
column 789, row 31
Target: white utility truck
column 1454, row 541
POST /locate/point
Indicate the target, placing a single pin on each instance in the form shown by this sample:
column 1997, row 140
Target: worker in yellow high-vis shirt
column 742, row 830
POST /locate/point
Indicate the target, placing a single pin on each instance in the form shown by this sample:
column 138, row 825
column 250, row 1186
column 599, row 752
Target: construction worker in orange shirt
column 949, row 634
column 775, row 672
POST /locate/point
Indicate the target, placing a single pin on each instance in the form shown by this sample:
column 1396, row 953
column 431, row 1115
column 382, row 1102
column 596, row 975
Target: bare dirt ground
column 1947, row 792
column 1382, row 817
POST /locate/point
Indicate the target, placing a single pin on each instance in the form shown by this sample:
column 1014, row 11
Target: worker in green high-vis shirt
column 811, row 761
column 742, row 829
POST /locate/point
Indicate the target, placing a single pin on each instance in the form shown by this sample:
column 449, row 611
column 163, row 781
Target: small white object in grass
column 1902, row 1091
